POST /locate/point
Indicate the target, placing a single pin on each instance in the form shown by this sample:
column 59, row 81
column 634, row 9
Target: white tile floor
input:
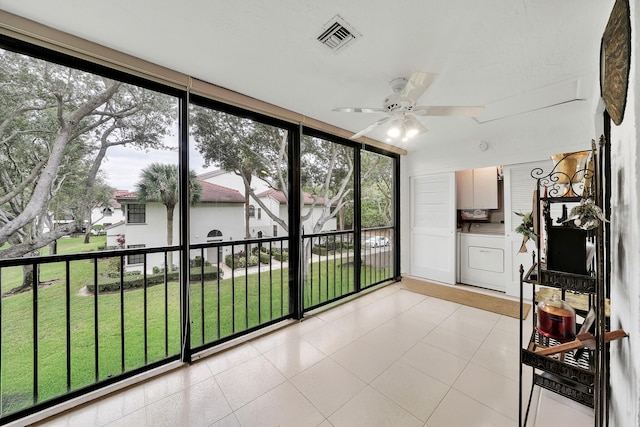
column 389, row 358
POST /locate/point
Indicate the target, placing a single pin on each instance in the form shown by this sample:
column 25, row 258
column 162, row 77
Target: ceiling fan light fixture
column 401, row 109
column 411, row 132
column 395, row 129
column 412, row 126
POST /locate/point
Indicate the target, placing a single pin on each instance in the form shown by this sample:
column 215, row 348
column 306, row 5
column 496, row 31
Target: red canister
column 556, row 319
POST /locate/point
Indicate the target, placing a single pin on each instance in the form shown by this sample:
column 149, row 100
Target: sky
column 123, row 165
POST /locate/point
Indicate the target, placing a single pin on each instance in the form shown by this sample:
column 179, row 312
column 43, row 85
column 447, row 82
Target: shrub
column 240, row 261
column 265, row 258
column 197, row 262
column 280, row 255
column 230, row 261
column 319, row 250
column 135, row 281
column 113, row 267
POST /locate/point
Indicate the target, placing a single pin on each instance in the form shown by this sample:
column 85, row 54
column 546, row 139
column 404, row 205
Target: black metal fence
column 84, row 320
column 332, row 269
column 249, row 290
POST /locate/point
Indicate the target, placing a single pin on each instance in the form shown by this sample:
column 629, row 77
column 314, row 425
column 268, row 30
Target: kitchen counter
column 490, row 229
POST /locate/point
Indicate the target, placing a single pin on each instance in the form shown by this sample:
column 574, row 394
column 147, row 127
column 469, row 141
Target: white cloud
column 123, row 165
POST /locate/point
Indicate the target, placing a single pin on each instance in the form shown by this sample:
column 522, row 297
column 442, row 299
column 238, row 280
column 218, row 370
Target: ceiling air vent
column 336, row 34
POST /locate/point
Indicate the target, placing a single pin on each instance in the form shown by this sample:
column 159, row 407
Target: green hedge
column 319, row 250
column 107, row 284
column 241, row 261
column 265, row 258
column 280, row 256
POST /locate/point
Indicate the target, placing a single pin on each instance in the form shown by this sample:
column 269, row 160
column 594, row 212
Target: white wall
column 99, row 218
column 625, row 249
column 231, row 180
column 226, row 217
column 529, row 137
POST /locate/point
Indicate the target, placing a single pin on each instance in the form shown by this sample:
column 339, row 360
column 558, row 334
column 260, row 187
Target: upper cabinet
column 477, row 188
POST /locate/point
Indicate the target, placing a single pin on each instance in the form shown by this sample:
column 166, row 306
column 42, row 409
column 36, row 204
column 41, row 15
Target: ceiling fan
column 401, row 109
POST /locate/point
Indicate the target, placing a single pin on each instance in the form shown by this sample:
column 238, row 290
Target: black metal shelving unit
column 580, row 376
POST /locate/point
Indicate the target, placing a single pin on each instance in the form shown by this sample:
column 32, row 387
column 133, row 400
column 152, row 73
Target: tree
column 252, row 149
column 56, row 125
column 160, row 183
column 55, row 120
column 327, row 173
column 377, row 190
column 69, row 203
column 246, row 148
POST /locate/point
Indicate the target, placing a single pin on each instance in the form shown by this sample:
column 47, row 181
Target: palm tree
column 160, row 183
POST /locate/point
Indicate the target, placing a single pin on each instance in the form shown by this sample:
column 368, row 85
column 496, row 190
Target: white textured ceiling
column 509, row 55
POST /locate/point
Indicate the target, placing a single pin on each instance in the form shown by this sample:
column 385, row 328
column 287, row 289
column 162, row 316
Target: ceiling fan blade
column 417, row 84
column 370, row 127
column 422, row 110
column 359, row 110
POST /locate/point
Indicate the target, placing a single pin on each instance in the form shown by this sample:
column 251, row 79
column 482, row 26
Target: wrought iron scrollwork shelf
column 571, row 176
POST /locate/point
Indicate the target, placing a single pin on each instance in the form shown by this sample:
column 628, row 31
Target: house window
column 252, row 211
column 275, row 231
column 137, row 258
column 136, row 213
column 259, row 213
column 214, row 236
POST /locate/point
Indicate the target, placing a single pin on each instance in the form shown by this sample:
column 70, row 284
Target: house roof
column 113, row 201
column 218, row 193
column 114, row 225
column 211, row 193
column 125, row 195
column 280, row 197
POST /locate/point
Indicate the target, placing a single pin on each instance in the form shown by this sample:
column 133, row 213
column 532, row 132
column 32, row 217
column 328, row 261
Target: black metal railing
column 250, row 290
column 70, row 326
column 327, row 267
column 330, row 261
column 85, row 320
column 377, row 256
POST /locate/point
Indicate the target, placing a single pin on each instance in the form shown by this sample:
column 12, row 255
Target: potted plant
column 587, row 215
column 526, row 229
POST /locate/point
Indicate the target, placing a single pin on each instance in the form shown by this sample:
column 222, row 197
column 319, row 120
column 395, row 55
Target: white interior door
column 519, row 186
column 433, row 227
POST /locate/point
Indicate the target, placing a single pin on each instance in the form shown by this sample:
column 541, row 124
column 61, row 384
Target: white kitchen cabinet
column 477, row 188
column 464, row 189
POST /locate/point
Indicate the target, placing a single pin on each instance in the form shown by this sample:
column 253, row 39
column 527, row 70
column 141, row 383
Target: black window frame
column 136, row 259
column 131, row 214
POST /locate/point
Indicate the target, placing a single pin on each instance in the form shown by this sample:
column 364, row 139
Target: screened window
column 241, row 159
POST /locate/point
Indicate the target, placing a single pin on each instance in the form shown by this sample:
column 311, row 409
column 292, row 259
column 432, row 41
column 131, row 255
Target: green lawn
column 219, row 308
